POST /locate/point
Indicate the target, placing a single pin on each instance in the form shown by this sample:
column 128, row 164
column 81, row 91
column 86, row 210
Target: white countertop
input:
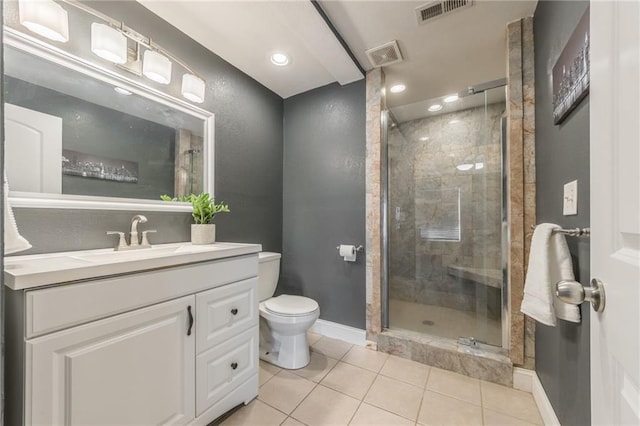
column 29, row 271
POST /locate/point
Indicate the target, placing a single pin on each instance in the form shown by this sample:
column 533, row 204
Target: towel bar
column 574, row 232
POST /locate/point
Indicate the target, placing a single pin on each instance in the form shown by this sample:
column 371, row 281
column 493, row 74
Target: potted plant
column 203, row 231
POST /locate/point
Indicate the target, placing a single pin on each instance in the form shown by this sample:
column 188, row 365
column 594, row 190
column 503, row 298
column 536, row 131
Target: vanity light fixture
column 122, row 91
column 435, row 108
column 46, row 18
column 279, row 59
column 397, row 88
column 156, row 67
column 111, row 41
column 193, row 88
column 108, row 43
column 451, row 98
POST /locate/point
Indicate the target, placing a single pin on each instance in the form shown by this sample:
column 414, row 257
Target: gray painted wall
column 324, row 199
column 248, row 155
column 562, row 155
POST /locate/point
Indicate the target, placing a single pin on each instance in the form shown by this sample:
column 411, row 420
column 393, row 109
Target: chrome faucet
column 134, row 239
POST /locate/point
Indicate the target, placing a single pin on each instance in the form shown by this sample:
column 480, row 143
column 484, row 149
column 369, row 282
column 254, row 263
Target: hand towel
column 13, row 241
column 549, row 262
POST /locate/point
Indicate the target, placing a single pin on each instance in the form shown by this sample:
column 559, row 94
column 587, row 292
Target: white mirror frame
column 34, row 46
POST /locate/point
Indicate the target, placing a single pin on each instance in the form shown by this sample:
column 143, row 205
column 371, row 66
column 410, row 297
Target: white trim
column 348, row 334
column 523, row 379
column 58, row 201
column 542, row 401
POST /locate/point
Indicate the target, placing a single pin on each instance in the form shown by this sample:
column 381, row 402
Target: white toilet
column 284, row 320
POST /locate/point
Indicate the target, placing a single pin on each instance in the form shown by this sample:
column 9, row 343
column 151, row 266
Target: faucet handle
column 145, row 240
column 122, row 242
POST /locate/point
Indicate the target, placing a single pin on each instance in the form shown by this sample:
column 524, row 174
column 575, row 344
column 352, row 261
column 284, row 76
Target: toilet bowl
column 284, row 320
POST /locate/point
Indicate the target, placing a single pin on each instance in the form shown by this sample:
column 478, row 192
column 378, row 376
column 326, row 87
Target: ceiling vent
column 386, row 54
column 431, row 11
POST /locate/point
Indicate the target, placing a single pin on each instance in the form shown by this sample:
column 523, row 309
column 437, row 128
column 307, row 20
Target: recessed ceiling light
column 122, row 91
column 451, row 98
column 464, row 167
column 279, row 59
column 397, row 88
column 435, row 107
column 424, row 138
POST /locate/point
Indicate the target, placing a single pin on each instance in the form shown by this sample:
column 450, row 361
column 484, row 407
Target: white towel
column 13, row 241
column 549, row 262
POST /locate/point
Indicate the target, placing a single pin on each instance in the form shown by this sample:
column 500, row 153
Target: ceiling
column 444, row 56
column 247, row 33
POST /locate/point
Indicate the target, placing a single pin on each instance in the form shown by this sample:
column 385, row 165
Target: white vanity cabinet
column 167, row 346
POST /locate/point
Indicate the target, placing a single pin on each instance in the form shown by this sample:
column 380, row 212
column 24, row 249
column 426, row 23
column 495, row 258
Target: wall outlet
column 570, row 204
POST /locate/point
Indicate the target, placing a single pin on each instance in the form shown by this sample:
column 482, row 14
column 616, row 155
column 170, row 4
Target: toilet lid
column 291, row 305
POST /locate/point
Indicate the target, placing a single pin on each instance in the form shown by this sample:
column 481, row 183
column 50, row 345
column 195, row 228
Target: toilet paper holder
column 358, row 248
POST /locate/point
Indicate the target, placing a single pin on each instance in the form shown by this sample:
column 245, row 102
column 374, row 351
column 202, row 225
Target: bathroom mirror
column 82, row 136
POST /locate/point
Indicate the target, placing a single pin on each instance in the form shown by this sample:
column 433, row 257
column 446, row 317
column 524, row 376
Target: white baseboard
column 523, row 379
column 352, row 335
column 547, row 413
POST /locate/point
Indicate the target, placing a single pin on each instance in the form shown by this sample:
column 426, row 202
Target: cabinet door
column 132, row 369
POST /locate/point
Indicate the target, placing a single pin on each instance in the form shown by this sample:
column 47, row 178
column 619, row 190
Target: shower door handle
column 574, row 293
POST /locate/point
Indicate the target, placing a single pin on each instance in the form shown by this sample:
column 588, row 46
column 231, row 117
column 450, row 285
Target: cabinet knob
column 234, row 311
column 234, row 365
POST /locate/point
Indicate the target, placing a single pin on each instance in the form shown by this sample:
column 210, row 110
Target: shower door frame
column 384, row 215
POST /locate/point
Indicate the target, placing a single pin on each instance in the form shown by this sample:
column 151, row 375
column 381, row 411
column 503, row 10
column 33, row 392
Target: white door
column 615, row 210
column 33, row 150
column 135, row 368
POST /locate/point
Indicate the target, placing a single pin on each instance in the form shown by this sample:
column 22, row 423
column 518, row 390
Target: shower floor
column 443, row 322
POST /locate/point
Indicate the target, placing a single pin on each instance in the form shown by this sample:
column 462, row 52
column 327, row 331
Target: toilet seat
column 291, row 306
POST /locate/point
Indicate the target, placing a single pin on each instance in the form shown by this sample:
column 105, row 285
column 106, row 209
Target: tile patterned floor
column 351, row 385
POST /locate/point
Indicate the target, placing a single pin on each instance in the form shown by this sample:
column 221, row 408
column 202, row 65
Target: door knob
column 575, row 293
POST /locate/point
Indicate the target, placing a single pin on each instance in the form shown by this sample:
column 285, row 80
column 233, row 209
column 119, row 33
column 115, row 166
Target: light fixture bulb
column 397, row 88
column 156, row 67
column 279, row 59
column 451, row 98
column 46, row 18
column 193, row 88
column 122, row 91
column 108, row 43
column 435, row 108
column 464, row 167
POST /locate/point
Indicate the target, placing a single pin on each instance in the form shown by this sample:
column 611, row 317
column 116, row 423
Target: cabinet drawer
column 224, row 312
column 225, row 367
column 64, row 306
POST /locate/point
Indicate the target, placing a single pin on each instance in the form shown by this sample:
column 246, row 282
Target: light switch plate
column 570, row 204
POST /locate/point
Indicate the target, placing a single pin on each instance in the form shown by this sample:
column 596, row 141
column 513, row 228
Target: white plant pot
column 203, row 234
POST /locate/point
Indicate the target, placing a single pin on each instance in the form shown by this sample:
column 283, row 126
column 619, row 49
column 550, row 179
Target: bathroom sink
column 126, row 255
column 147, row 253
column 31, row 271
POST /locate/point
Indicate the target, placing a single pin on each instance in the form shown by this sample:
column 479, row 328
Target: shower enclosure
column 445, row 220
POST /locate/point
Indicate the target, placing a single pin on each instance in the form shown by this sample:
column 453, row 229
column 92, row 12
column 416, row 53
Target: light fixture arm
column 131, row 34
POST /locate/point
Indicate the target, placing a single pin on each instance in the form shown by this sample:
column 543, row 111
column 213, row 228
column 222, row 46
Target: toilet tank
column 268, row 274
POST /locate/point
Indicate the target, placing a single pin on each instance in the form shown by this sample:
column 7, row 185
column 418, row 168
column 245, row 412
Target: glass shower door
column 445, row 257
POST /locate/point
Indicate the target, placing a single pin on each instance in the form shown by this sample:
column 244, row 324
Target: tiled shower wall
column 429, row 194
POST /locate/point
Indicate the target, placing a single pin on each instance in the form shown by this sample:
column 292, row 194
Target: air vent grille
column 386, row 54
column 435, row 10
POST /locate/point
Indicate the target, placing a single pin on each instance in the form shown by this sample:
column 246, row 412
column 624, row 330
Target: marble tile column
column 373, row 170
column 521, row 180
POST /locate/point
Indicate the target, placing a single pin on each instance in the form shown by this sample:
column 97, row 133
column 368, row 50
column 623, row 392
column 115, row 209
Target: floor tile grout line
column 424, row 392
column 362, row 399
